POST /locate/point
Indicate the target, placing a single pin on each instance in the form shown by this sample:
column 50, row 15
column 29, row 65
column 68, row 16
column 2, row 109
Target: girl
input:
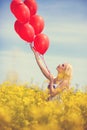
column 61, row 81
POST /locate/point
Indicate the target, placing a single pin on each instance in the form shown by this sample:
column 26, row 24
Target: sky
column 66, row 28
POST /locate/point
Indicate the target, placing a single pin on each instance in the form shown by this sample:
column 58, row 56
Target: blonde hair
column 66, row 74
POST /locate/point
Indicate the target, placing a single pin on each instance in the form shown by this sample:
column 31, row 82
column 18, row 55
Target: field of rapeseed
column 25, row 107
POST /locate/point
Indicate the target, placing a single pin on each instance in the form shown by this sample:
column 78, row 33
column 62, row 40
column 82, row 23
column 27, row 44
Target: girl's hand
column 32, row 47
column 34, row 51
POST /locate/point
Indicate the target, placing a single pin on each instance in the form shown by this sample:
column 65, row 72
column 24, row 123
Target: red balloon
column 20, row 11
column 32, row 5
column 41, row 43
column 17, row 26
column 25, row 31
column 38, row 23
column 13, row 4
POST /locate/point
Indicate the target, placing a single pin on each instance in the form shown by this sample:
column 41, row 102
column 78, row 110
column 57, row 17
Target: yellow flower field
column 25, row 107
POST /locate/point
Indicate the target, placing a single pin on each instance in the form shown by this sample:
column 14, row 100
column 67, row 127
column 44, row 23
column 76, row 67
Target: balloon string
column 42, row 57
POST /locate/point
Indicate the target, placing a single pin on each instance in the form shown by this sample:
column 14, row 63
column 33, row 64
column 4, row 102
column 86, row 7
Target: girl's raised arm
column 40, row 64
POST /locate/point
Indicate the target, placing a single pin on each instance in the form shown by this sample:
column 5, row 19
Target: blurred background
column 66, row 27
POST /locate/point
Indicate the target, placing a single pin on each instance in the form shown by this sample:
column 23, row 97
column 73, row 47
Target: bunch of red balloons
column 29, row 25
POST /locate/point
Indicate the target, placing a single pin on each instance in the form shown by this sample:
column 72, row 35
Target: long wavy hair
column 65, row 74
